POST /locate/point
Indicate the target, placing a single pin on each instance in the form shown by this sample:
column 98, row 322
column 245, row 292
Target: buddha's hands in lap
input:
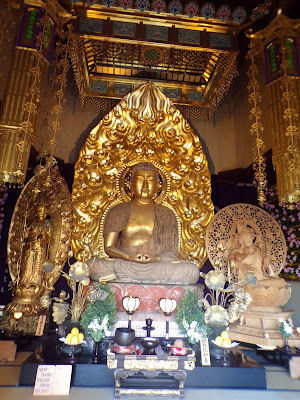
column 115, row 252
column 143, row 258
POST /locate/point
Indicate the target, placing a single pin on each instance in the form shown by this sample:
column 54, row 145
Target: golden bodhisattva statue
column 141, row 237
column 249, row 247
column 34, row 254
column 38, row 244
column 248, row 255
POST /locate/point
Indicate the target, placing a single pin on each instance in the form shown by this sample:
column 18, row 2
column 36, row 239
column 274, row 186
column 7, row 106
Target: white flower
column 190, row 332
column 288, row 329
column 94, row 325
column 99, row 330
column 193, row 324
column 185, row 324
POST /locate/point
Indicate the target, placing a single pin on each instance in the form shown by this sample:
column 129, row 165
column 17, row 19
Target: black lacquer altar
column 243, row 372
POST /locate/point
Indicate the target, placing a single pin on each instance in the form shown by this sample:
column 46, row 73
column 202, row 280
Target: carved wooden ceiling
column 189, row 52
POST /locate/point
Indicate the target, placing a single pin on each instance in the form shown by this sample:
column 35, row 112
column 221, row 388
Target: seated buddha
column 248, row 254
column 141, row 237
column 248, row 258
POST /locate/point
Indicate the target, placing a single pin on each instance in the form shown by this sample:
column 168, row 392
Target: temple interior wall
column 226, row 139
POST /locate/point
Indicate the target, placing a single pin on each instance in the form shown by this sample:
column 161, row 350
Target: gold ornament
column 259, row 164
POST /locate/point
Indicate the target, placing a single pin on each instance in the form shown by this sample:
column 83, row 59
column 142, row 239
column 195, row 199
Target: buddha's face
column 144, row 184
column 41, row 213
column 247, row 237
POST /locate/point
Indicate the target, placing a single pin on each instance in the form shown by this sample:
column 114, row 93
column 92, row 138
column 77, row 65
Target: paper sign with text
column 53, row 380
column 205, row 353
column 41, row 325
column 44, row 380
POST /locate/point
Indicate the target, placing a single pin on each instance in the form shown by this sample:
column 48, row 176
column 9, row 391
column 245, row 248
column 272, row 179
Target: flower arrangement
column 286, row 327
column 190, row 318
column 99, row 316
column 288, row 217
column 223, row 304
column 77, row 279
column 98, row 330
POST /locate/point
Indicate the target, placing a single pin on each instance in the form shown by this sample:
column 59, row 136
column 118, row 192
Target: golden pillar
column 21, row 106
column 15, row 142
column 281, row 51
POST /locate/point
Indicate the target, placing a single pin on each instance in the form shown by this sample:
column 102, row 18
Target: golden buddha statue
column 153, row 228
column 141, row 237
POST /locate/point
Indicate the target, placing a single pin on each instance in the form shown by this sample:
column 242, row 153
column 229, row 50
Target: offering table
column 151, row 367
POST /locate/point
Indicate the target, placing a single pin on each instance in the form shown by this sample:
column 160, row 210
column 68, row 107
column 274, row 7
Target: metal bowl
column 149, row 345
column 124, row 336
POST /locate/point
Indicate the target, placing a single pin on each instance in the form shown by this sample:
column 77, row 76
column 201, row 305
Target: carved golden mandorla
column 57, row 201
column 144, row 126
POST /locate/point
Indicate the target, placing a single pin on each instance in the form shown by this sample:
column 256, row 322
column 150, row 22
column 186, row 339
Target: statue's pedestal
column 260, row 326
column 149, row 296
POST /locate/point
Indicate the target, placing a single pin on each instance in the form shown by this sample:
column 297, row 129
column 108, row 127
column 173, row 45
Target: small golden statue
column 34, row 253
column 141, row 237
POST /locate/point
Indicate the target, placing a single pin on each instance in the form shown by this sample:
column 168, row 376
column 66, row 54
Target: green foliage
column 189, row 312
column 99, row 312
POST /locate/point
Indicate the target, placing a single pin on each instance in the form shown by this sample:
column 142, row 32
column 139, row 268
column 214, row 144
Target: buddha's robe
column 163, row 242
